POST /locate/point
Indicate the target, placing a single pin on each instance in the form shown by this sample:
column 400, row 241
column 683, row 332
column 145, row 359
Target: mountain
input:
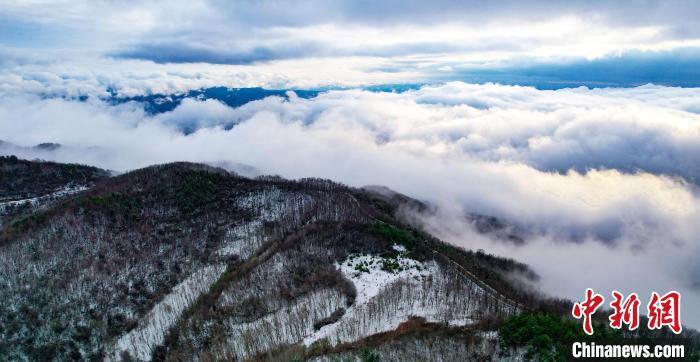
column 189, row 262
column 26, row 186
column 233, row 97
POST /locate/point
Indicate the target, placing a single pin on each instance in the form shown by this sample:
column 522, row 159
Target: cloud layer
column 604, row 179
column 534, row 42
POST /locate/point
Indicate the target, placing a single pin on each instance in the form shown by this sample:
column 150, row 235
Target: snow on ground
column 150, row 333
column 287, row 325
column 245, row 239
column 390, row 290
column 242, row 240
column 399, row 248
column 259, row 284
column 34, row 201
column 366, row 272
column 371, row 275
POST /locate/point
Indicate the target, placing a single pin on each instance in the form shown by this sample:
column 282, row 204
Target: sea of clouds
column 605, row 180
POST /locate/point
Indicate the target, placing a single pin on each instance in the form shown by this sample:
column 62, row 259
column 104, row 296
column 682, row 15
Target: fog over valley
column 360, row 181
column 613, row 171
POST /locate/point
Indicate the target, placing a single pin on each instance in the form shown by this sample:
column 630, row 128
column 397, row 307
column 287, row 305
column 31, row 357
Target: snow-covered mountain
column 188, row 262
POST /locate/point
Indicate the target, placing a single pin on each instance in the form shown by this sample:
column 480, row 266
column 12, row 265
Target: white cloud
column 397, row 21
column 94, row 76
column 348, row 43
column 505, row 151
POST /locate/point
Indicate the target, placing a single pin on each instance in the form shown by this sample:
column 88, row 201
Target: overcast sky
column 319, row 43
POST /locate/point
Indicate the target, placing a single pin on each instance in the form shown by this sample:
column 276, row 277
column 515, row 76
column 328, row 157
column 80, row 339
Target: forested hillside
column 28, row 185
column 186, row 262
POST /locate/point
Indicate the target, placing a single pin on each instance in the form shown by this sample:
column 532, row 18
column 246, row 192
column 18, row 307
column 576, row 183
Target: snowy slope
column 140, row 342
column 40, row 200
column 387, row 298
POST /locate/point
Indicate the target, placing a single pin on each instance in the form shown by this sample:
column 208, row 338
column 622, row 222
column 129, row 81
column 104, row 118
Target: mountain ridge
column 186, row 261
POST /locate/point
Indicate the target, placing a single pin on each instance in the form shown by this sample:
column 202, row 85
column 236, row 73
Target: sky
column 578, row 122
column 134, row 46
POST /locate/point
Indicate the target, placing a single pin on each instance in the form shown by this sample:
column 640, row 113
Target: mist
column 604, row 180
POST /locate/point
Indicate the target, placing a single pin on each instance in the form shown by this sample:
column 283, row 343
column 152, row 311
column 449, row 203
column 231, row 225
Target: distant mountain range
column 233, row 97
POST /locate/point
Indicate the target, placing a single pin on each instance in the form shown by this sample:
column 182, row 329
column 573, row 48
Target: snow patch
column 271, row 205
column 141, row 341
column 287, row 325
column 34, row 201
column 390, row 290
column 371, row 274
column 400, row 248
